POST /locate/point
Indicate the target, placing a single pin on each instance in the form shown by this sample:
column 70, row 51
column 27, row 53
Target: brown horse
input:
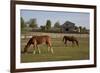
column 70, row 38
column 37, row 40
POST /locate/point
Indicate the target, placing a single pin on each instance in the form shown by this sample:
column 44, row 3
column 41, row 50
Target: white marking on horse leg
column 34, row 52
column 34, row 49
column 52, row 50
column 48, row 49
column 35, row 46
column 39, row 50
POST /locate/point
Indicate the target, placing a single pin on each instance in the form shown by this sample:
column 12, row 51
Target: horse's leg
column 34, row 51
column 66, row 42
column 35, row 46
column 38, row 49
column 51, row 50
column 77, row 43
column 49, row 47
column 72, row 43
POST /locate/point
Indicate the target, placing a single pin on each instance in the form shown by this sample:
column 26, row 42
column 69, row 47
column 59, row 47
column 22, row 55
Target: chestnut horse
column 70, row 38
column 37, row 40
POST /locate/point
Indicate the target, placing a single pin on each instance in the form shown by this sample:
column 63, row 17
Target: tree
column 80, row 28
column 84, row 28
column 42, row 28
column 76, row 28
column 57, row 25
column 23, row 25
column 32, row 23
column 48, row 25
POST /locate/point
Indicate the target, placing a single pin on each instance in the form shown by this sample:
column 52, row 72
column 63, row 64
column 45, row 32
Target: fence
column 53, row 35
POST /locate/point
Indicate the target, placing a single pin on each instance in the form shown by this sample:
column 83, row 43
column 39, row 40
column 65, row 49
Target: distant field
column 61, row 51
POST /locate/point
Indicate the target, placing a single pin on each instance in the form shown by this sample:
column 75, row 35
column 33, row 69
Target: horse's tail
column 27, row 45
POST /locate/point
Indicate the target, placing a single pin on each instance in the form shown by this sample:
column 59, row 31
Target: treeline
column 32, row 25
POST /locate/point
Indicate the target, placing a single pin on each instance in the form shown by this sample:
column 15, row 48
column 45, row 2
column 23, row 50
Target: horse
column 37, row 40
column 70, row 38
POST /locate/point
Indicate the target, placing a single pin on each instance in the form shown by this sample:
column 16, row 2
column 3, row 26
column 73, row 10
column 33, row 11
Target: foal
column 37, row 40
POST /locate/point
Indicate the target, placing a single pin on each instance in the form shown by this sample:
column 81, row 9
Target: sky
column 79, row 18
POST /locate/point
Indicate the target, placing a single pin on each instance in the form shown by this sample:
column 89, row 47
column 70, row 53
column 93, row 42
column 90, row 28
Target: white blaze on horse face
column 39, row 51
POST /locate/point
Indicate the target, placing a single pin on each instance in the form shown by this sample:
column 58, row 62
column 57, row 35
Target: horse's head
column 25, row 49
column 27, row 45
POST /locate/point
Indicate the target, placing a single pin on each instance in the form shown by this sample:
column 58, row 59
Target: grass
column 61, row 51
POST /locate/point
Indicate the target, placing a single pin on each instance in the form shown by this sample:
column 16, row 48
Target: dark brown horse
column 70, row 38
column 37, row 40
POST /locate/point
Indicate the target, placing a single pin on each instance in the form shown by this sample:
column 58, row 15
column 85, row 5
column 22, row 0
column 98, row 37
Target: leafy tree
column 23, row 25
column 32, row 23
column 80, row 28
column 84, row 28
column 42, row 28
column 48, row 25
column 57, row 25
column 76, row 28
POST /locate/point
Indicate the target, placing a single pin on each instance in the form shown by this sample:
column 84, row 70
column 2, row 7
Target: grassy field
column 61, row 51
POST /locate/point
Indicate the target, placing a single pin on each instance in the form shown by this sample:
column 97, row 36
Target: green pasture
column 61, row 51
